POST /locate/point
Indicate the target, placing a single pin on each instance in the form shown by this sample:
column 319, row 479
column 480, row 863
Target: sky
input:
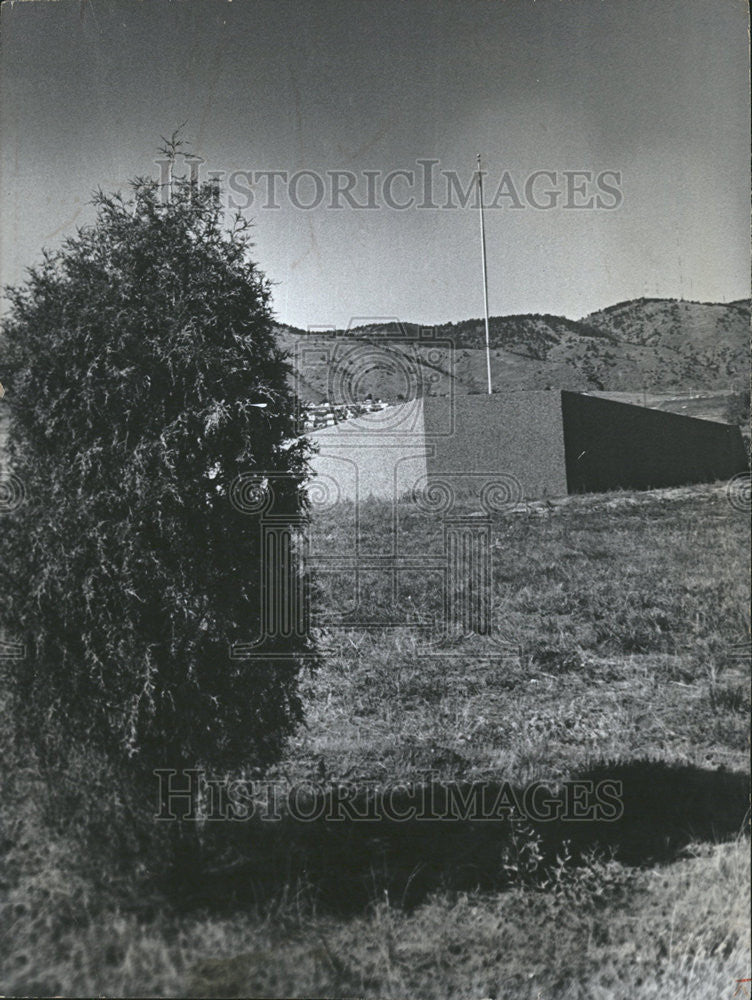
column 650, row 96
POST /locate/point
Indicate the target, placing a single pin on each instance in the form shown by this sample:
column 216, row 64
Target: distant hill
column 658, row 346
column 696, row 343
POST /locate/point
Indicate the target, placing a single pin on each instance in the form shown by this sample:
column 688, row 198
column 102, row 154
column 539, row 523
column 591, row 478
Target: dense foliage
column 143, row 380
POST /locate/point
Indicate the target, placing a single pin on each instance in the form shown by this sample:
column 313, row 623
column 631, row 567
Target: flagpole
column 485, row 275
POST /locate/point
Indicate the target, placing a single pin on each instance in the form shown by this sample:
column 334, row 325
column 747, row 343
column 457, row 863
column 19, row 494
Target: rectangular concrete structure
column 521, row 445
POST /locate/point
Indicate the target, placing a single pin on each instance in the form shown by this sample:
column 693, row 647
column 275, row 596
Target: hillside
column 652, row 346
column 693, row 340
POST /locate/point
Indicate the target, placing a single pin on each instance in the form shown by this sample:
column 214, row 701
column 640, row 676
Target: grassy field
column 621, row 624
column 624, row 622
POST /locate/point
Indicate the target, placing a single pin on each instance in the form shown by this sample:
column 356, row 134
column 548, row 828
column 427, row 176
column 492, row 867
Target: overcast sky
column 654, row 90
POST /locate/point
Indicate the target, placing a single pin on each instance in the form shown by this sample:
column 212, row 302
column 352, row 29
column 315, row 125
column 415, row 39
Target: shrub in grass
column 144, row 379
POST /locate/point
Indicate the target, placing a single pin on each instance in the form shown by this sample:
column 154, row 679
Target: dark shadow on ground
column 344, row 864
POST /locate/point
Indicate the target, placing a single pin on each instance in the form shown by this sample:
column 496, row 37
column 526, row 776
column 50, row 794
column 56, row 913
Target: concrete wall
column 612, row 445
column 520, row 445
column 381, row 454
column 512, row 437
column 512, row 441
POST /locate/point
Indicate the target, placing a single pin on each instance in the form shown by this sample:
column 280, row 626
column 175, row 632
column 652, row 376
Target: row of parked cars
column 327, row 414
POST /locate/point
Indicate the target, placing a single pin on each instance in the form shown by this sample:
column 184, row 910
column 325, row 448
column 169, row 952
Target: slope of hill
column 695, row 341
column 644, row 345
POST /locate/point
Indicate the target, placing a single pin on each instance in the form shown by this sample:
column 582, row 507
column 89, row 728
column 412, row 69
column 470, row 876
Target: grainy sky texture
column 654, row 89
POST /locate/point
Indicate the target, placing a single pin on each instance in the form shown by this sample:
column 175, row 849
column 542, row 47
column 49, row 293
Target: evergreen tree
column 144, row 384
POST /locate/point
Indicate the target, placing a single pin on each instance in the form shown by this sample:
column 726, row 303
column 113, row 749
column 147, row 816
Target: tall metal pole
column 485, row 275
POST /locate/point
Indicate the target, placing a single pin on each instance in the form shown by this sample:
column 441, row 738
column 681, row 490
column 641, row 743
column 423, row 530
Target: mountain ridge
column 644, row 344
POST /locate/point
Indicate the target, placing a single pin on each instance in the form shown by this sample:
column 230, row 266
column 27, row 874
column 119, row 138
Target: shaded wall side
column 517, row 434
column 611, row 445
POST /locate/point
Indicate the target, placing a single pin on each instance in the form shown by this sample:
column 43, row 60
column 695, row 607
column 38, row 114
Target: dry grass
column 600, row 932
column 623, row 618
